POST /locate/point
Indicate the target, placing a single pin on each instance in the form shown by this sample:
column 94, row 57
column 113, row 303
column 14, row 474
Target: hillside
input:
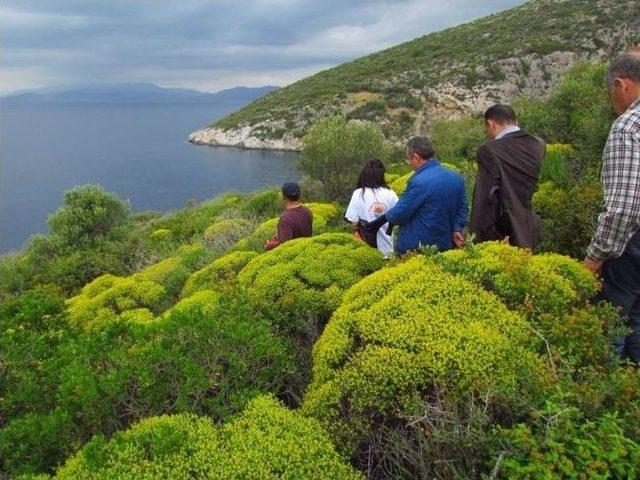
column 458, row 71
column 137, row 93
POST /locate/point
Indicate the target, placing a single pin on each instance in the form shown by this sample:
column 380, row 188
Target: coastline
column 242, row 138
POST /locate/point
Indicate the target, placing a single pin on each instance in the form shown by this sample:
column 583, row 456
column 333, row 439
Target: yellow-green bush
column 391, row 177
column 224, row 268
column 226, row 232
column 160, row 234
column 206, row 300
column 409, row 332
column 266, row 442
column 260, row 235
column 553, row 292
column 106, row 298
column 185, row 223
column 323, row 213
column 399, row 184
column 305, row 278
column 568, row 216
column 262, row 204
column 124, row 294
column 545, row 283
column 557, row 164
column 159, row 272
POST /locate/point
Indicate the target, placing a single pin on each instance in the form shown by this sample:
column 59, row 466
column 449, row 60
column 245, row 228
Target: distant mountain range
column 137, row 93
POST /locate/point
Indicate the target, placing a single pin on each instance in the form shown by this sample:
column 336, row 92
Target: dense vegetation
column 452, row 71
column 173, row 346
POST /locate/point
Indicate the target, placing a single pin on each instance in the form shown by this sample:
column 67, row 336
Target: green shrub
column 263, row 204
column 207, row 355
column 577, row 113
column 304, row 279
column 92, row 233
column 335, row 151
column 568, row 216
column 37, row 441
column 185, row 223
column 598, row 390
column 88, row 216
column 263, row 232
column 571, row 447
column 194, row 256
column 411, row 340
column 161, row 241
column 224, row 268
column 265, row 442
column 556, row 166
column 458, row 138
column 399, row 184
column 31, row 326
column 311, row 189
column 228, row 231
column 16, row 274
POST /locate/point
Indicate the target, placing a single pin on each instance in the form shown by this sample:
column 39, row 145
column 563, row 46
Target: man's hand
column 458, row 239
column 593, row 265
column 375, row 225
column 271, row 243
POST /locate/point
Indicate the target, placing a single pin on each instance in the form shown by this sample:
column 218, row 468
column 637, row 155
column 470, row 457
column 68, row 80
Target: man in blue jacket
column 433, row 209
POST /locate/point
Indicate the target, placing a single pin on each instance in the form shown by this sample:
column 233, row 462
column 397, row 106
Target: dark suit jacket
column 508, row 172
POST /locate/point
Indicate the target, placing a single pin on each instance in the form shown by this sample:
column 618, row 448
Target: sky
column 208, row 45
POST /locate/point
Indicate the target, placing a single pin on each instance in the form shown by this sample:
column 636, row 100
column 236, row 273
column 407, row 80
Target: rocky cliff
column 458, row 71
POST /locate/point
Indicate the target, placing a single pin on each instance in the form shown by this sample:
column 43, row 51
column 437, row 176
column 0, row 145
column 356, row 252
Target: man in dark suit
column 508, row 170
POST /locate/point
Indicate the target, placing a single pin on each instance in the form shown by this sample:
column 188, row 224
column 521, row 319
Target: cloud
column 208, row 45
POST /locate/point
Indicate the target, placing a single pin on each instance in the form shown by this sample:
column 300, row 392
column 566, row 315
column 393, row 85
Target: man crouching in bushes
column 615, row 246
column 295, row 221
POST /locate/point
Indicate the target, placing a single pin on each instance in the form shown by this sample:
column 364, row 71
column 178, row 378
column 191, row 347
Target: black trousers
column 621, row 286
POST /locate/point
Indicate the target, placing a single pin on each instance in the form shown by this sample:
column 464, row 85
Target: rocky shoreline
column 242, row 138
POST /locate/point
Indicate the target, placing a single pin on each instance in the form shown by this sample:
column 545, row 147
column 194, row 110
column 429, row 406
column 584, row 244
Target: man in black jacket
column 508, row 170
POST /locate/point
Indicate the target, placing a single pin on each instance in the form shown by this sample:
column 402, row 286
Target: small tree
column 88, row 216
column 335, row 150
column 577, row 113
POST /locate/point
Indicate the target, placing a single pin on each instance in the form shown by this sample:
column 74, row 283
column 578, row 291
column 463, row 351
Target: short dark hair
column 422, row 146
column 501, row 114
column 291, row 191
column 372, row 175
column 626, row 65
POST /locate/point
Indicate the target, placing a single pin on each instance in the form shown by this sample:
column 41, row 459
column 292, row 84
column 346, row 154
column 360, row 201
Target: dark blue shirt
column 433, row 206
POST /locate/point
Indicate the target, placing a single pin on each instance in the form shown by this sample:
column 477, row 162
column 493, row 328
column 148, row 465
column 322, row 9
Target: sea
column 138, row 151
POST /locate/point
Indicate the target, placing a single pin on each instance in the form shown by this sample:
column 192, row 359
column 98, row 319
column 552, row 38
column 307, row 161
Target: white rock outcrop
column 243, row 138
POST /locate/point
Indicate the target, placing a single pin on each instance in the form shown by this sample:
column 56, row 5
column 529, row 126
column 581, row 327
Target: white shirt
column 507, row 131
column 374, row 203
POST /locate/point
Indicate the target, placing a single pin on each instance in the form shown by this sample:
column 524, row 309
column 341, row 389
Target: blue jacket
column 433, row 206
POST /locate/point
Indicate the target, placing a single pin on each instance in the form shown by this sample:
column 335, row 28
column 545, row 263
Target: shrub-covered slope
column 266, row 442
column 427, row 368
column 524, row 50
column 436, row 366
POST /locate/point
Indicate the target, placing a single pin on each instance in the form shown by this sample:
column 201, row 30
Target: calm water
column 140, row 152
